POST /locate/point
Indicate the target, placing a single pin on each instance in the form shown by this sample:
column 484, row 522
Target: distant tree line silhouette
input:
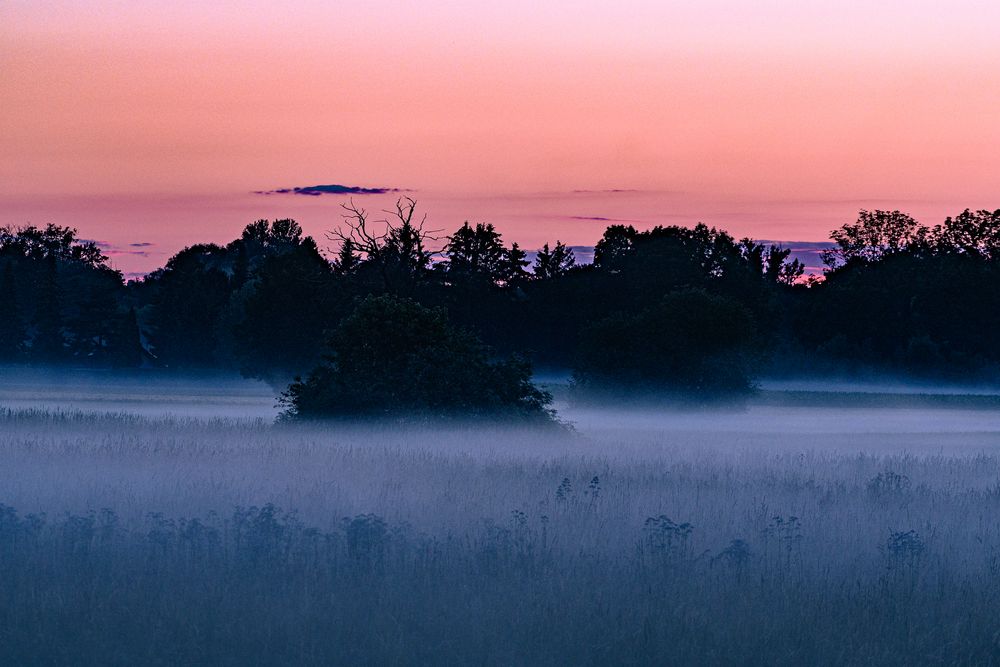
column 671, row 308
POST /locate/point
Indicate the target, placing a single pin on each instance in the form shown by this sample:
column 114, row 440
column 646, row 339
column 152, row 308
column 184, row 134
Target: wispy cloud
column 597, row 218
column 609, row 191
column 138, row 253
column 139, row 249
column 332, row 189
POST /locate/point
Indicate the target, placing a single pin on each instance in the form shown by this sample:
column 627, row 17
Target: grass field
column 772, row 535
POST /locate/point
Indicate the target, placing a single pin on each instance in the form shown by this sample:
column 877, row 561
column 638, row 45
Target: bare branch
column 356, row 220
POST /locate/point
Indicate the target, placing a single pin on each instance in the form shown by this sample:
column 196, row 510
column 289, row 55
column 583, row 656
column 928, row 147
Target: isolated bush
column 394, row 358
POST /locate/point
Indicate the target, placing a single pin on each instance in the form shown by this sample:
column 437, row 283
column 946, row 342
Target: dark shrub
column 394, row 358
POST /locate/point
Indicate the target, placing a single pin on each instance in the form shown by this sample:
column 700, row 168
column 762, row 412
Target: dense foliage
column 393, row 357
column 691, row 343
column 896, row 295
column 901, row 295
column 60, row 301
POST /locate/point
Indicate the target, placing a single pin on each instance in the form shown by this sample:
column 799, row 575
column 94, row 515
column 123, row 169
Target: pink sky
column 153, row 123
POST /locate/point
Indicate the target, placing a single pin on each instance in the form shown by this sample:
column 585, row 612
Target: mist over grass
column 148, row 392
column 771, row 534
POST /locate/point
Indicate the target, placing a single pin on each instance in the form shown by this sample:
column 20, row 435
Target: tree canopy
column 691, row 342
column 681, row 308
column 61, row 301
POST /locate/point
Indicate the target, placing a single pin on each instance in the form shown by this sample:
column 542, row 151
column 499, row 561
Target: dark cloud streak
column 332, row 189
column 139, row 249
column 598, row 218
column 611, row 191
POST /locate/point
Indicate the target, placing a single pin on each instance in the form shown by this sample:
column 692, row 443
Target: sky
column 149, row 126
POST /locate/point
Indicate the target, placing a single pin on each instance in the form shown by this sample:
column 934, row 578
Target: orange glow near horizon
column 143, row 122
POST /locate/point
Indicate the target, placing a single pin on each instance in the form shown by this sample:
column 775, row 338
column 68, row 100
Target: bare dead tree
column 400, row 247
column 357, row 233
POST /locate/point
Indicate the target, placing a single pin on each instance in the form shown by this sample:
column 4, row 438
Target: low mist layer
column 772, row 533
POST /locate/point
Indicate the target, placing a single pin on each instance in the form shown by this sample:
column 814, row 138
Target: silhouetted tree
column 614, row 246
column 263, row 238
column 874, row 236
column 771, row 262
column 12, row 332
column 282, row 313
column 975, row 233
column 188, row 296
column 126, row 346
column 635, row 269
column 478, row 255
column 399, row 255
column 901, row 296
column 394, row 358
column 50, row 242
column 780, row 270
column 48, row 343
column 919, row 312
column 241, row 266
column 92, row 309
column 66, row 290
column 514, row 266
column 669, row 256
column 896, row 293
column 555, row 262
column 347, row 260
column 475, row 252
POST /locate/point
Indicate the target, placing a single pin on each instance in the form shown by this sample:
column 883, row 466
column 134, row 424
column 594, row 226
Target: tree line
column 687, row 310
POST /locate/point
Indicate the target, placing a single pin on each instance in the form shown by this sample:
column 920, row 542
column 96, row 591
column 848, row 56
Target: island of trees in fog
column 453, row 323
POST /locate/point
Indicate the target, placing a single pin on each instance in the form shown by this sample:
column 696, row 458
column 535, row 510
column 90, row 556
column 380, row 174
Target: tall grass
column 691, row 540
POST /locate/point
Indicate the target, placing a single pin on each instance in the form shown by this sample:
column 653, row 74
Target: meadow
column 771, row 534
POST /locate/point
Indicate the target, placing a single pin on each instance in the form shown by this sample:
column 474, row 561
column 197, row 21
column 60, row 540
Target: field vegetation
column 774, row 535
